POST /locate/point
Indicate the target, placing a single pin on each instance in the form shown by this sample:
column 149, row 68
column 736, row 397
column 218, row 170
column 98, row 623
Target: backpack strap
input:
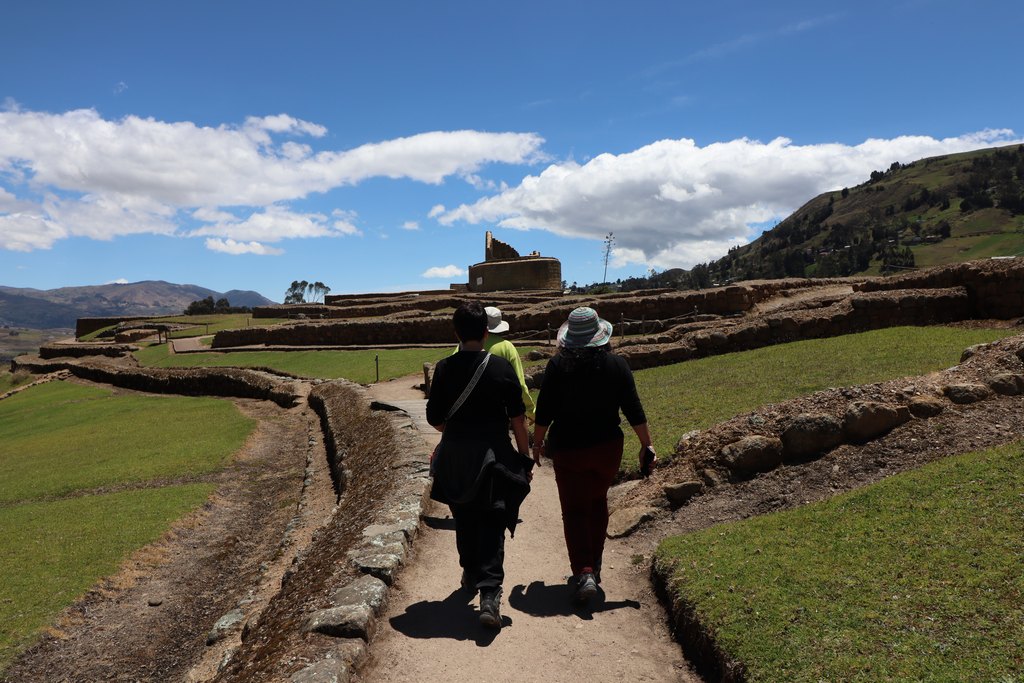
column 469, row 387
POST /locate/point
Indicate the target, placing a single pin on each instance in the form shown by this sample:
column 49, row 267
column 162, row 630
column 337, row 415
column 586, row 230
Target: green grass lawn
column 957, row 249
column 62, row 439
column 358, row 366
column 52, row 552
column 700, row 393
column 915, row 578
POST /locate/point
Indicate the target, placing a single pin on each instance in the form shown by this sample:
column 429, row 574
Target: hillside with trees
column 930, row 212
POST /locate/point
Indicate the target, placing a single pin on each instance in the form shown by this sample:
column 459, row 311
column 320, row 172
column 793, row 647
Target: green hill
column 930, row 212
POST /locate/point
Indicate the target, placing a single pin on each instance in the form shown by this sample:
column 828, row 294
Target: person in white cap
column 503, row 348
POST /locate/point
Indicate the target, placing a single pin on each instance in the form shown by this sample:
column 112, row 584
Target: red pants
column 583, row 476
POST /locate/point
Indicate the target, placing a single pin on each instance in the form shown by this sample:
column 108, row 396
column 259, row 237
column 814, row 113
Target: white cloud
column 27, row 232
column 678, row 204
column 211, row 215
column 446, row 272
column 410, row 225
column 148, row 170
column 118, row 281
column 230, row 246
column 120, row 87
column 345, row 222
column 276, row 223
column 436, row 210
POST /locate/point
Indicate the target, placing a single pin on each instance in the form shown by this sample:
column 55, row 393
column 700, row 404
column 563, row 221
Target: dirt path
column 186, row 345
column 430, row 631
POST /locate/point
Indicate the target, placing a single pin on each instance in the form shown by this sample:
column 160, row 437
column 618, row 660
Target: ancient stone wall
column 496, row 250
column 526, row 313
column 861, row 312
column 995, row 286
column 353, row 560
column 84, row 326
column 185, row 381
column 83, row 350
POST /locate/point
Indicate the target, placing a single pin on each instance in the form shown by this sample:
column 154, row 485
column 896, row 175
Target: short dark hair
column 470, row 321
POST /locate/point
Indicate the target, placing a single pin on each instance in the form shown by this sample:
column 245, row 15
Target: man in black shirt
column 476, row 471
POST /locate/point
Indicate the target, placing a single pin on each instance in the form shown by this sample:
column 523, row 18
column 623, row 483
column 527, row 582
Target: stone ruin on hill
column 504, row 269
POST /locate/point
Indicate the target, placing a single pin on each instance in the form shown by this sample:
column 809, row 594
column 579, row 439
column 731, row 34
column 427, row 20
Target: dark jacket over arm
column 476, row 465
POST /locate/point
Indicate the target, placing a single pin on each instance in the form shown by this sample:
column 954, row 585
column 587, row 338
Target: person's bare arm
column 643, row 433
column 538, row 442
column 519, row 431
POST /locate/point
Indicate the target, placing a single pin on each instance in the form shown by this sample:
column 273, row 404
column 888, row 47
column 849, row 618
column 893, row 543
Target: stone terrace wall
column 526, row 313
column 185, row 381
column 48, row 351
column 995, row 286
column 334, row 595
column 860, row 312
column 84, row 326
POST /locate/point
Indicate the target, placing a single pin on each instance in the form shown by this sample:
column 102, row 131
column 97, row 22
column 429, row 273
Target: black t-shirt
column 496, row 397
column 581, row 404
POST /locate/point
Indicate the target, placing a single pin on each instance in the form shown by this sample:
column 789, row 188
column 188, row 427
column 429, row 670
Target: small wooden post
column 376, row 362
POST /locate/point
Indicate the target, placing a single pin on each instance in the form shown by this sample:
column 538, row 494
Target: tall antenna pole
column 609, row 241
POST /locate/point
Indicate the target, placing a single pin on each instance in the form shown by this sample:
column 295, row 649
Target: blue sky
column 243, row 145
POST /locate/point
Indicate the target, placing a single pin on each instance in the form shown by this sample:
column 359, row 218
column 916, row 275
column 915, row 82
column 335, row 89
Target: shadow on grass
column 541, row 600
column 455, row 617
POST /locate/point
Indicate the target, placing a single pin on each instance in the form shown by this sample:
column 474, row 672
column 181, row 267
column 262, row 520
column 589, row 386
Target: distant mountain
column 52, row 308
column 939, row 210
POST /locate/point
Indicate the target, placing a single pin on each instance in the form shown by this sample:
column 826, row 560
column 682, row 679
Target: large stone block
column 966, row 393
column 348, row 621
column 1007, row 384
column 752, row 454
column 925, row 406
column 627, row 520
column 866, row 420
column 680, row 493
column 810, row 434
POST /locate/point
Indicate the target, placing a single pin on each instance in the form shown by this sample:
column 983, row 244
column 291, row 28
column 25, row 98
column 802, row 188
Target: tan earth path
column 430, row 631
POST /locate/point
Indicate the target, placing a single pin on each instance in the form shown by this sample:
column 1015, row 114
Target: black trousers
column 480, row 539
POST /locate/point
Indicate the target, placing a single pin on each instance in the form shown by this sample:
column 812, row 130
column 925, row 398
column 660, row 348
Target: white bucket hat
column 495, row 325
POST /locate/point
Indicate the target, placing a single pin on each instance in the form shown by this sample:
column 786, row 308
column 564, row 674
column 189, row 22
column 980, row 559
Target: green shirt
column 505, row 349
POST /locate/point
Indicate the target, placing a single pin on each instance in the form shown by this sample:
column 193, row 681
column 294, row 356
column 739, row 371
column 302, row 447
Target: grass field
column 52, row 552
column 699, row 393
column 915, row 578
column 358, row 366
column 64, row 448
column 957, row 249
column 60, row 438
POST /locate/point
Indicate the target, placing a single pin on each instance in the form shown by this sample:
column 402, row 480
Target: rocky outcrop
column 747, row 446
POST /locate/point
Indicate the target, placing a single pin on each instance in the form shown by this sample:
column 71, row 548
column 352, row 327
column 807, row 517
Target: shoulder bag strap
column 469, row 387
